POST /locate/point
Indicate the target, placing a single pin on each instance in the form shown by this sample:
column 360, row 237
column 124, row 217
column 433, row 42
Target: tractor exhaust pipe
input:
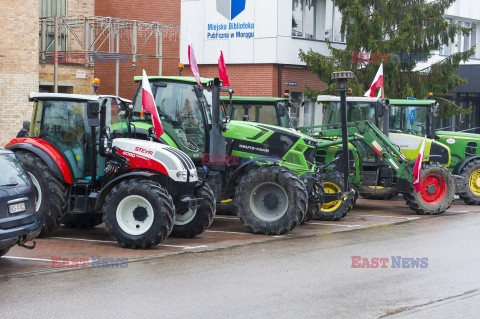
column 218, row 144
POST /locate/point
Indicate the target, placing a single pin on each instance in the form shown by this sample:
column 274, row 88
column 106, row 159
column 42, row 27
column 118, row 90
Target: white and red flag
column 192, row 62
column 148, row 104
column 417, row 169
column 222, row 68
column 377, row 82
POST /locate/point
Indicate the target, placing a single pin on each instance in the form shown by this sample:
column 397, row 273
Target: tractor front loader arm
column 369, row 134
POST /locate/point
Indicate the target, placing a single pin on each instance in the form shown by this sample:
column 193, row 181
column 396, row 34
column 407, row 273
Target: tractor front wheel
column 271, row 200
column 139, row 213
column 377, row 192
column 437, row 189
column 51, row 193
column 336, row 210
column 471, row 193
column 192, row 222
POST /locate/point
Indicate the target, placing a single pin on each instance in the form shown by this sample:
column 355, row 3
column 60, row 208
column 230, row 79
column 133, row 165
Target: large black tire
column 380, row 193
column 189, row 224
column 228, row 208
column 271, row 200
column 4, row 251
column 336, row 210
column 437, row 179
column 137, row 227
column 53, row 193
column 471, row 191
column 82, row 221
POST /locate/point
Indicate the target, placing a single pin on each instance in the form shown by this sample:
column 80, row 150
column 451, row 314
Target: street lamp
column 342, row 78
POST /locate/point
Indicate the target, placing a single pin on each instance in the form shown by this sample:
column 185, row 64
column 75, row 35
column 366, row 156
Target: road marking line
column 225, row 217
column 111, row 241
column 340, row 225
column 184, row 247
column 409, row 218
column 82, row 239
column 227, row 232
column 28, row 258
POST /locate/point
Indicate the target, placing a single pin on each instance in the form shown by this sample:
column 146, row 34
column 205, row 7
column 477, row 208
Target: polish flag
column 148, row 104
column 377, row 82
column 222, row 68
column 417, row 169
column 192, row 62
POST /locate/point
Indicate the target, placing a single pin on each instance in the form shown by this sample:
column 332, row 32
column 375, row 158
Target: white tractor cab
column 85, row 173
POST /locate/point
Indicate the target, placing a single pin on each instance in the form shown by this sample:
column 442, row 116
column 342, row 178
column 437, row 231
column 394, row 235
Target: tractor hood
column 462, row 135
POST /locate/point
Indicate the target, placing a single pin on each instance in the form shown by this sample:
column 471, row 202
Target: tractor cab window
column 409, row 120
column 260, row 113
column 64, row 127
column 356, row 111
column 115, row 117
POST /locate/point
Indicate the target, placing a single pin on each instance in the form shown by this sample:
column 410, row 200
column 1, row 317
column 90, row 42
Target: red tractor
column 85, row 174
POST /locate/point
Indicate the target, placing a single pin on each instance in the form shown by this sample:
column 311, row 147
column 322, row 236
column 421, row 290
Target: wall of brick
column 18, row 64
column 162, row 11
column 262, row 79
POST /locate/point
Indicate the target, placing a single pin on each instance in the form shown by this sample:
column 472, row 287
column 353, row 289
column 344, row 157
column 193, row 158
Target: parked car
column 18, row 218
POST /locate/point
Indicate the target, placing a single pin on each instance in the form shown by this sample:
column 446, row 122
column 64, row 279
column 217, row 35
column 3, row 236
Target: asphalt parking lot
column 64, row 248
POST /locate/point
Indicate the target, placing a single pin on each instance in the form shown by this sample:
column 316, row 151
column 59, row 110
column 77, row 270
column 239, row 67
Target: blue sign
column 411, row 114
column 230, row 9
column 289, row 83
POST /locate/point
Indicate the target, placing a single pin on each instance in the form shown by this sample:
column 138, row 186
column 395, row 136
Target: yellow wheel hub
column 474, row 182
column 331, row 206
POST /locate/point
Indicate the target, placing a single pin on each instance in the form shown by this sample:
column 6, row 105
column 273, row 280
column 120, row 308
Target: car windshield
column 11, row 171
column 409, row 120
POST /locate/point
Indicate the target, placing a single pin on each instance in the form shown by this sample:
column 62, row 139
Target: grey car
column 18, row 218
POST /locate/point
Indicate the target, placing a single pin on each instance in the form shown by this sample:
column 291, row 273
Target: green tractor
column 269, row 173
column 376, row 164
column 418, row 117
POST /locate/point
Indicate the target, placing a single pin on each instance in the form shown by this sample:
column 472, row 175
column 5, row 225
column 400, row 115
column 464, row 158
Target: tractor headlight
column 182, row 175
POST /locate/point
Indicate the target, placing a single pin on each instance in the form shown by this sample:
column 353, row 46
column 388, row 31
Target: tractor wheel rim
column 135, row 215
column 260, row 206
column 331, row 206
column 183, row 219
column 38, row 192
column 433, row 189
column 474, row 182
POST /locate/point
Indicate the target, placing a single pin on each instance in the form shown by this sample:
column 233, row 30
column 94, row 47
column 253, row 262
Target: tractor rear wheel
column 193, row 222
column 82, row 221
column 51, row 193
column 271, row 200
column 437, row 189
column 333, row 183
column 4, row 251
column 471, row 193
column 377, row 192
column 138, row 213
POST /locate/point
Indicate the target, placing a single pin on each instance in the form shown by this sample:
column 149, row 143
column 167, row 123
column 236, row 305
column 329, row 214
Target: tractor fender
column 108, row 187
column 242, row 168
column 459, row 167
column 49, row 154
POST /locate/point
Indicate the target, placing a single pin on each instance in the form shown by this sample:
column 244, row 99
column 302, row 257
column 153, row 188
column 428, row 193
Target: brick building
column 18, row 64
column 161, row 11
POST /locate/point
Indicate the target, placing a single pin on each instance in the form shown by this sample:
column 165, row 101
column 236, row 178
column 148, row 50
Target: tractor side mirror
column 436, row 109
column 281, row 109
column 380, row 107
column 93, row 110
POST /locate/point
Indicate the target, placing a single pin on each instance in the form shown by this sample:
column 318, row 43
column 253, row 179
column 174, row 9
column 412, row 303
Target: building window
column 49, row 8
column 304, row 14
